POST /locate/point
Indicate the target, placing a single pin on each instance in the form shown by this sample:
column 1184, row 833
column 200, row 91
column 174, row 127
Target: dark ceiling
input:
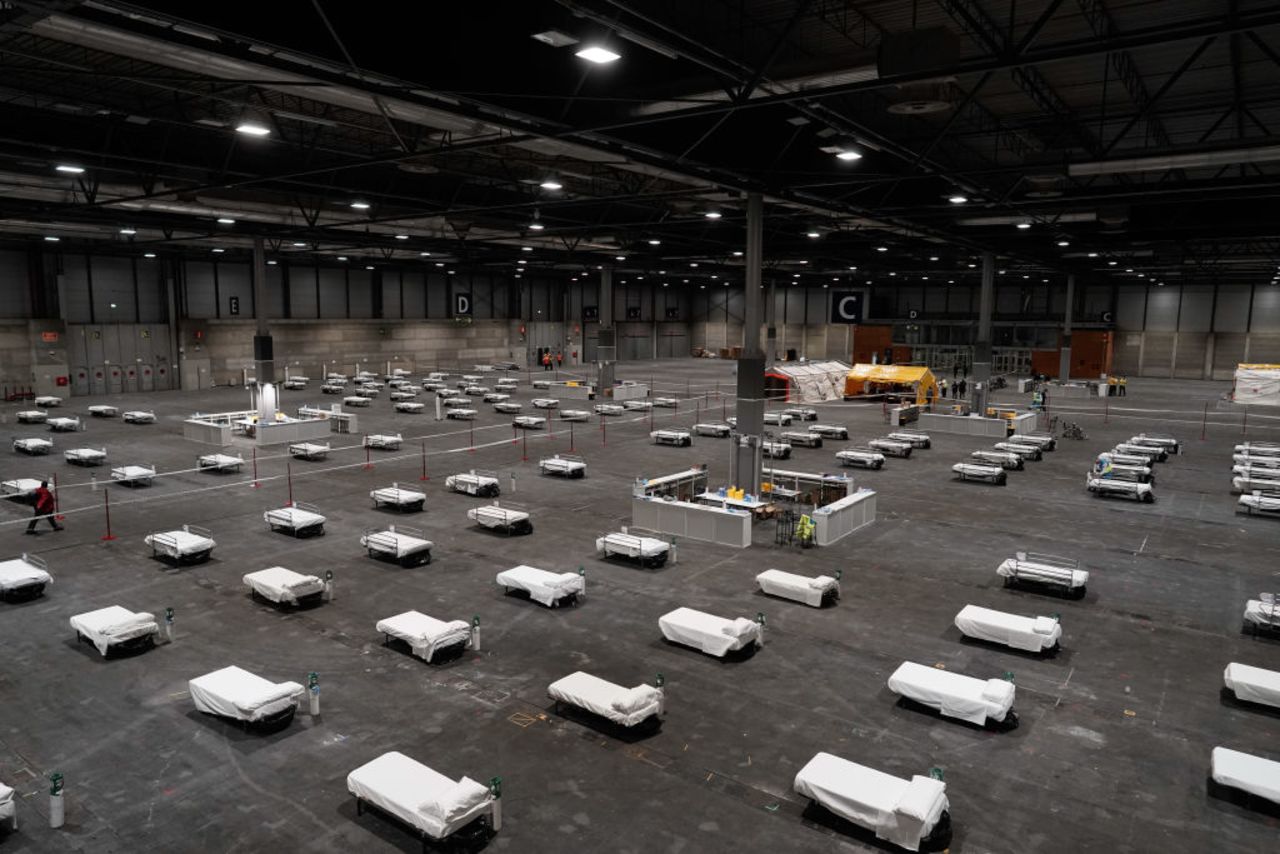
column 1141, row 133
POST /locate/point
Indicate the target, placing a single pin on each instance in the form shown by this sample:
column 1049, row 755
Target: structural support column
column 770, row 323
column 982, row 346
column 606, row 340
column 745, row 464
column 263, row 356
column 1064, row 356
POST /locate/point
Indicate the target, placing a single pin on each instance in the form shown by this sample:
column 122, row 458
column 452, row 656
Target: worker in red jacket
column 44, row 508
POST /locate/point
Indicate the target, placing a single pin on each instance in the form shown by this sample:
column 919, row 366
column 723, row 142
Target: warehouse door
column 80, row 381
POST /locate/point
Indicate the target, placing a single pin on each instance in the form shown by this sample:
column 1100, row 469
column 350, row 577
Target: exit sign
column 48, row 337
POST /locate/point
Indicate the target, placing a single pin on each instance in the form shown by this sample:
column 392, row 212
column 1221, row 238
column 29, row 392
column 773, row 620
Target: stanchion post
column 57, row 514
column 604, row 434
column 524, row 451
column 368, row 460
column 106, row 507
column 288, row 469
column 471, row 433
column 570, row 435
column 424, row 462
column 1204, row 421
column 1244, row 422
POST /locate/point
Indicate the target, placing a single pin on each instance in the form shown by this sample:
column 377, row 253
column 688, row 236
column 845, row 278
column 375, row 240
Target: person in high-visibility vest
column 804, row 529
column 1103, row 466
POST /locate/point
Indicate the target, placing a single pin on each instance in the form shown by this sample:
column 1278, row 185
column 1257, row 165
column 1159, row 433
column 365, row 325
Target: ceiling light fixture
column 597, row 54
column 272, row 263
column 252, row 129
column 933, row 257
column 219, row 251
column 1064, row 243
column 882, row 248
column 848, row 154
column 70, row 169
column 1093, row 254
column 653, row 241
column 551, row 184
column 342, row 257
column 1112, row 263
column 128, row 231
column 712, row 214
column 453, row 272
column 368, row 266
column 526, row 248
column 737, row 253
column 402, row 237
column 813, row 235
column 958, row 199
column 1023, row 226
column 360, row 206
column 536, row 226
column 51, row 238
column 226, row 220
column 424, row 254
column 149, row 255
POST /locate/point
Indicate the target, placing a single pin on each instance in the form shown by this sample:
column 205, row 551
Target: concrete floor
column 1112, row 754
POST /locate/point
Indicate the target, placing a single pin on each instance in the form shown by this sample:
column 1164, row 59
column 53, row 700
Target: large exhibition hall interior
column 611, row 426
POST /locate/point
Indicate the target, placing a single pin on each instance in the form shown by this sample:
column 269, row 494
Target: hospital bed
column 780, row 418
column 510, row 520
column 579, row 415
column 355, row 400
column 47, row 400
column 1246, row 773
column 401, row 396
column 609, row 409
column 914, row 438
column 647, row 551
column 828, row 431
column 637, row 405
column 103, row 410
column 1262, row 615
column 911, row 813
column 432, row 386
column 507, row 382
column 496, row 397
column 1151, row 452
column 64, row 424
column 476, row 390
column 543, row 587
column 398, row 544
column 625, row 707
column 138, row 416
column 1259, row 449
column 410, row 407
column 333, row 388
column 1254, row 470
column 8, row 815
column 708, row 633
column 803, row 439
column 219, row 462
column 666, row 402
column 309, row 450
column 32, row 416
column 775, row 450
column 980, row 472
column 709, row 428
column 397, row 498
column 1259, row 482
column 1004, row 459
column 802, row 413
column 1030, row 634
column 977, row 701
column 860, row 457
column 483, row 484
column 470, row 379
column 85, row 456
column 1107, row 487
column 565, row 465
column 890, row 447
column 1030, row 569
column 297, row 519
column 21, row 489
column 1128, row 459
column 452, row 400
column 459, row 413
column 1041, row 440
column 295, row 383
column 506, row 408
column 383, row 441
column 425, row 636
column 1135, row 473
column 816, row 592
column 544, row 403
column 246, row 698
column 284, row 586
column 1252, row 684
column 187, row 545
column 669, row 436
column 1027, row 452
column 32, row 446
column 541, row 384
column 432, row 805
column 1261, row 502
column 1158, row 440
column 134, row 475
column 116, row 629
column 23, row 578
column 529, row 422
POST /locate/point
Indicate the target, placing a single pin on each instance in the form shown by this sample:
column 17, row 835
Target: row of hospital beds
column 1255, row 470
column 1127, row 470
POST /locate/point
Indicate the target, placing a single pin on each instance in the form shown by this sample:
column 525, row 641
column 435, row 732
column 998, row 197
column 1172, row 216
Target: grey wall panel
column 736, row 303
column 415, row 295
column 437, row 295
column 302, row 291
column 1157, row 354
column 1264, row 349
column 1162, row 309
column 793, row 306
column 1231, row 314
column 1196, row 311
column 333, row 293
column 1008, row 299
column 935, row 303
column 235, row 281
column 1096, row 302
column 501, row 291
column 1266, row 309
column 113, row 286
column 1056, row 291
column 1131, row 307
column 75, row 288
column 361, row 285
column 1192, row 347
column 200, row 289
column 275, row 290
column 1128, row 346
column 391, row 306
column 1228, row 351
column 15, row 293
column 153, row 299
column 818, row 300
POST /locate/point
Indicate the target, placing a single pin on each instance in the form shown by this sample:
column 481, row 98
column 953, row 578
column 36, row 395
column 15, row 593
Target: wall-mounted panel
column 235, row 282
column 1196, row 311
column 360, row 284
column 415, row 294
column 200, row 289
column 1131, row 307
column 113, row 289
column 1266, row 310
column 15, row 291
column 302, row 291
column 1231, row 312
column 333, row 293
column 1162, row 308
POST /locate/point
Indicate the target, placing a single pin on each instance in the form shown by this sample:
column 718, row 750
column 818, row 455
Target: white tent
column 1259, row 384
column 806, row 382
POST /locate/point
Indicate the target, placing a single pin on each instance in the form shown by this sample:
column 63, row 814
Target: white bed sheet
column 17, row 572
column 179, row 543
column 415, row 794
column 395, row 543
column 800, row 588
column 1029, row 570
column 410, row 407
column 85, row 455
column 20, row 487
column 425, row 634
column 712, row 429
column 713, row 635
column 397, row 496
column 103, row 410
column 64, row 424
column 560, row 465
column 629, row 545
column 283, row 585
column 32, row 416
column 623, row 706
column 542, row 586
column 292, row 517
column 1259, row 612
column 491, row 516
column 131, row 473
column 33, row 445
column 235, row 693
column 1032, row 634
column 1253, row 774
column 219, row 462
column 954, row 695
column 138, row 416
column 1253, row 684
column 471, row 484
column 114, row 624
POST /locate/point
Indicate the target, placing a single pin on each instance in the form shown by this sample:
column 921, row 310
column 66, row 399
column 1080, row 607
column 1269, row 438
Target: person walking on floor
column 559, row 359
column 44, row 508
column 546, row 360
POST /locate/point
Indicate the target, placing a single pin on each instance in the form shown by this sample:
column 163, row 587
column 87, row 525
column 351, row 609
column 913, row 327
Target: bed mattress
column 671, row 437
column 1259, row 449
column 473, row 484
column 711, row 634
column 623, row 706
column 179, row 543
column 977, row 471
column 776, row 450
column 47, row 400
column 1255, row 483
column 890, row 448
column 241, row 695
column 503, row 518
column 425, row 635
column 21, row 488
column 102, row 410
column 396, row 544
column 666, row 402
column 797, row 437
column 283, row 585
column 609, row 409
column 133, row 474
column 1253, row 684
column 866, row 458
column 799, row 588
column 781, row 419
column 85, row 456
column 566, row 466
column 574, row 415
column 20, row 572
column 529, row 422
column 64, row 425
column 309, row 450
column 631, row 546
column 720, row 431
column 1005, row 460
column 1246, row 772
column 829, row 431
column 410, row 407
column 1042, row 573
column 33, row 445
column 1027, row 452
column 954, row 695
column 1124, row 488
column 1259, row 613
column 507, row 408
column 543, row 587
column 914, row 438
column 801, row 413
column 138, row 416
column 1033, row 634
column 395, row 496
column 383, row 441
column 32, row 416
column 460, row 414
column 1260, row 503
column 294, row 519
column 355, row 400
column 420, row 797
column 106, row 627
column 544, row 403
column 219, row 462
column 637, row 405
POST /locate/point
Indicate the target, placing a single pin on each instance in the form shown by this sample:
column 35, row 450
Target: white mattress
column 496, row 397
column 397, row 496
column 712, row 429
column 64, row 423
column 637, row 405
column 282, row 585
column 469, row 483
column 458, row 414
column 48, row 400
column 1259, row 612
column 496, row 517
column 955, row 696
column 1264, row 503
column 20, row 486
column 544, row 403
column 666, row 402
column 1255, row 461
column 6, row 802
column 1003, row 459
column 395, row 543
column 890, row 445
column 309, row 449
column 1025, row 451
column 410, row 407
column 127, row 473
column 800, row 588
column 355, row 400
column 1030, row 570
column 609, row 409
column 1032, row 634
column 85, row 455
column 1254, row 483
column 630, row 545
column 417, row 795
column 713, row 635
column 669, row 437
column 902, row 812
column 114, row 624
column 1118, row 487
column 574, row 415
column 561, row 465
column 382, row 440
column 1259, row 449
column 179, row 543
column 33, row 445
column 977, row 471
column 796, row 437
column 17, row 572
column 866, row 458
column 138, row 416
column 543, row 587
column 1252, row 774
column 533, row 422
column 506, row 407
column 830, row 431
column 425, row 634
column 32, row 416
column 219, row 462
column 780, row 418
column 235, row 693
column 1253, row 684
column 624, row 706
column 803, row 413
